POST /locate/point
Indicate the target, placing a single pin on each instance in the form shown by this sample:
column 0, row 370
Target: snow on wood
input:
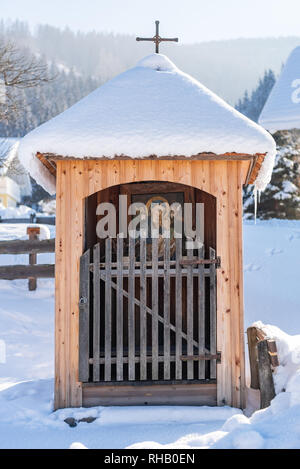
column 151, row 109
column 282, row 108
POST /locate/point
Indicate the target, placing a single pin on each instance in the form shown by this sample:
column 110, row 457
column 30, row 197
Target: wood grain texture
column 77, row 180
column 84, row 317
column 96, row 313
column 154, row 394
column 266, row 383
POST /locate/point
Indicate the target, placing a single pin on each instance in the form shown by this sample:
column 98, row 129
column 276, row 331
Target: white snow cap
column 151, row 109
column 282, row 108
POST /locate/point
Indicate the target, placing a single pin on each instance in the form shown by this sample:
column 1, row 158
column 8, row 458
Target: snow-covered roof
column 11, row 167
column 282, row 108
column 151, row 109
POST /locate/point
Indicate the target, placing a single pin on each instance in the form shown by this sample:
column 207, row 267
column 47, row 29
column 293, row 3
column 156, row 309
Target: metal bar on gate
column 202, row 357
column 195, row 261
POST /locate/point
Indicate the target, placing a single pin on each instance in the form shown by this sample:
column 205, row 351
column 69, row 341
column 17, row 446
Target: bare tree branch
column 19, row 69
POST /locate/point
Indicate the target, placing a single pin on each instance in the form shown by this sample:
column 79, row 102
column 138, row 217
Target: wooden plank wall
column 76, row 180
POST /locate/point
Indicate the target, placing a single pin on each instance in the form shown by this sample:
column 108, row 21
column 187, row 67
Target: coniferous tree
column 252, row 107
column 281, row 198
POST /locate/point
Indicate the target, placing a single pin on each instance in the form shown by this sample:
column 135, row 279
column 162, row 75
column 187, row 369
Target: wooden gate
column 132, row 327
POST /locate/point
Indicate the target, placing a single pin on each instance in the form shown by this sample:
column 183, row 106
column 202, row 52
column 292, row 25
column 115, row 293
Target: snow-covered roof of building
column 282, row 108
column 151, row 109
column 11, row 167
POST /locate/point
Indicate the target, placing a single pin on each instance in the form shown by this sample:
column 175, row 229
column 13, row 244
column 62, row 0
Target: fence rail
column 32, row 247
column 33, row 219
column 14, row 272
column 27, row 246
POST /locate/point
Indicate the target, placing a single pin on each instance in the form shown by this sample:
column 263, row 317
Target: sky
column 190, row 20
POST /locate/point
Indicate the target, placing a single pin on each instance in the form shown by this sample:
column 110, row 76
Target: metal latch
column 216, row 261
column 204, row 356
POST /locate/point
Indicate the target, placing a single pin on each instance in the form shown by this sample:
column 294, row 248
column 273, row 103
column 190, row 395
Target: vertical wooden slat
column 84, row 319
column 143, row 318
column 155, row 308
column 190, row 319
column 213, row 313
column 119, row 325
column 201, row 313
column 131, row 311
column 96, row 314
column 107, row 367
column 167, row 308
column 221, row 186
column 178, row 287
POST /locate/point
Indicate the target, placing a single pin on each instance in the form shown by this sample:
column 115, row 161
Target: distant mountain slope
column 227, row 67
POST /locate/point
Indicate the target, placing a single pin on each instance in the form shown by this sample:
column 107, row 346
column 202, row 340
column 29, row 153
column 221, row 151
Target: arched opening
column 143, row 192
column 152, row 307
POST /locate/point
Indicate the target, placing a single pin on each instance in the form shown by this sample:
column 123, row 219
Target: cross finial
column 157, row 39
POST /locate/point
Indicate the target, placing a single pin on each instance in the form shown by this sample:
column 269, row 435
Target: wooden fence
column 44, row 220
column 32, row 247
column 263, row 360
column 147, row 313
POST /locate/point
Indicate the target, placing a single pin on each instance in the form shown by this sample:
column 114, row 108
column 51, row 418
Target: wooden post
column 254, row 335
column 266, row 383
column 33, row 234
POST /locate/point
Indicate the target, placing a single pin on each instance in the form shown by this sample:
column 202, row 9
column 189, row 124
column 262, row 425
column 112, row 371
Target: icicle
column 255, row 204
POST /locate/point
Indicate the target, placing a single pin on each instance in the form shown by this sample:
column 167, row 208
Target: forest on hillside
column 79, row 62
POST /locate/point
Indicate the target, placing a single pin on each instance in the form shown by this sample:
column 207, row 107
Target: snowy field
column 272, row 295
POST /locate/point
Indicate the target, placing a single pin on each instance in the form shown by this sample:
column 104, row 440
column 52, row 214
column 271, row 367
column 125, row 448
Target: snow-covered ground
column 272, row 295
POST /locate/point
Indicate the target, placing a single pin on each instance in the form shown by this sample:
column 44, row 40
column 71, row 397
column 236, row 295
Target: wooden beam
column 13, row 272
column 28, row 246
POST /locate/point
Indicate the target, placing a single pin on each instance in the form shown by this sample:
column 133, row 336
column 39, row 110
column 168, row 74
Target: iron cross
column 157, row 39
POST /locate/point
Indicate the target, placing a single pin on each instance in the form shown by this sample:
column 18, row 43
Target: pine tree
column 252, row 107
column 281, row 198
